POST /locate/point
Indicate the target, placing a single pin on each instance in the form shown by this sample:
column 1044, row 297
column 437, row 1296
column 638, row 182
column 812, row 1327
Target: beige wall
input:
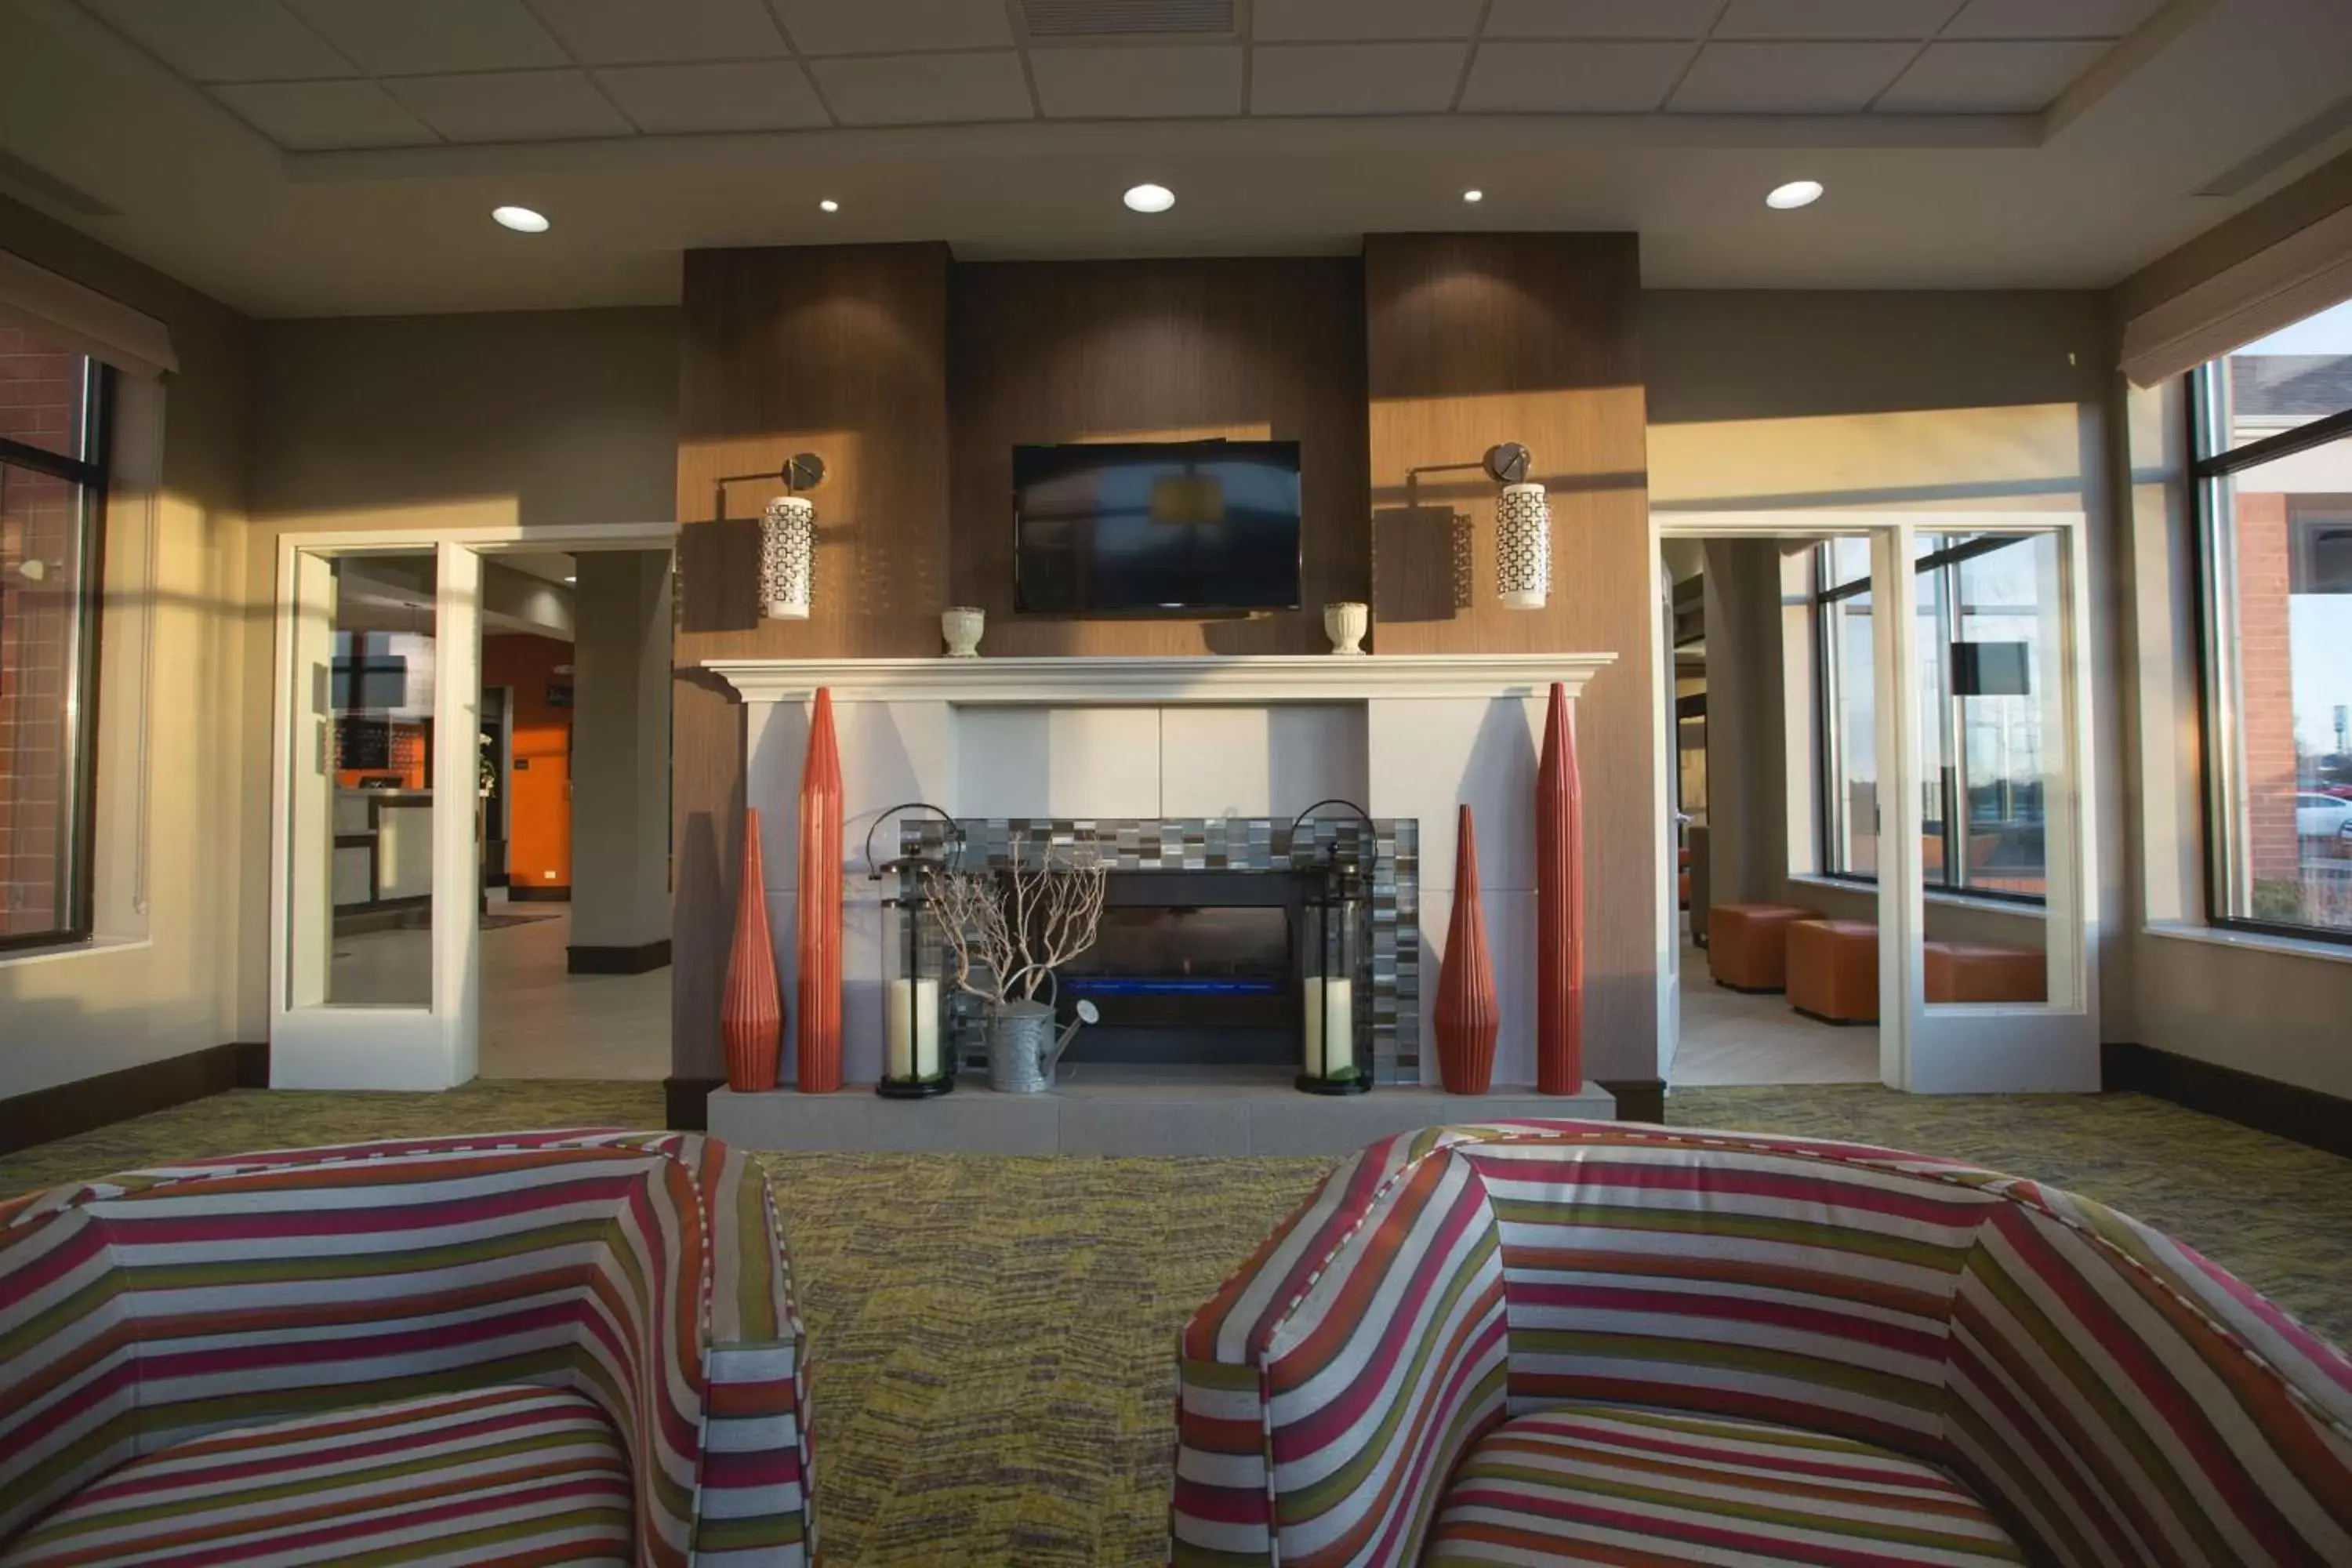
column 553, row 419
column 1817, row 403
column 162, row 981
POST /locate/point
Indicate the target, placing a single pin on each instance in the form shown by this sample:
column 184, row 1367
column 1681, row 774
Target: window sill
column 2255, row 942
column 1951, row 900
column 71, row 949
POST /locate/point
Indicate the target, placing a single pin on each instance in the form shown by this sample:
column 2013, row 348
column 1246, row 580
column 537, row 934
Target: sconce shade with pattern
column 787, row 557
column 1523, row 547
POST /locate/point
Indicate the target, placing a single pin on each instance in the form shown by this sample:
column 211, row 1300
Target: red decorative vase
column 1560, row 904
column 820, row 906
column 750, row 1015
column 1468, row 1016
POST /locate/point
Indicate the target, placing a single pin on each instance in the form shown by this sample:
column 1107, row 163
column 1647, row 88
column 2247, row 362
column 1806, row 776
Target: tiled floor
column 537, row 1020
column 1729, row 1037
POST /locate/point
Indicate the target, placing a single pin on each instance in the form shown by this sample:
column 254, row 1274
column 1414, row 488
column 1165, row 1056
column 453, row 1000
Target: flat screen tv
column 1142, row 528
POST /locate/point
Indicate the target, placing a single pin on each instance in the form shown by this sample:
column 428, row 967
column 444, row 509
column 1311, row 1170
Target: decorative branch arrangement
column 1009, row 931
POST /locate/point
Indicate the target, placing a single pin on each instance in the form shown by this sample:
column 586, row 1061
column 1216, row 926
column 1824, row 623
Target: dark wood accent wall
column 1078, row 351
column 836, row 349
column 1472, row 339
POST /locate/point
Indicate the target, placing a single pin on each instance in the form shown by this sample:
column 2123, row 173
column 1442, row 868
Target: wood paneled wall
column 1077, row 350
column 836, row 349
column 914, row 378
column 1472, row 339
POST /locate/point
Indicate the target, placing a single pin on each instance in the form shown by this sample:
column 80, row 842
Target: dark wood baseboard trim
column 63, row 1110
column 682, row 1099
column 527, row 893
column 639, row 960
column 2265, row 1104
column 1638, row 1099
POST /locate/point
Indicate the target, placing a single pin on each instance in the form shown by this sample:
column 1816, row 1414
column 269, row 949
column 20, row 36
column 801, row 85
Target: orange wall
column 539, row 796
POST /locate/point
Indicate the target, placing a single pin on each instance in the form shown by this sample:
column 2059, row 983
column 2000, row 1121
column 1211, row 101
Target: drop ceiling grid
column 318, row 74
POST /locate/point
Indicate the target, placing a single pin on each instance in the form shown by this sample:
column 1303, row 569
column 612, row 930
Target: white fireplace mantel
column 1160, row 682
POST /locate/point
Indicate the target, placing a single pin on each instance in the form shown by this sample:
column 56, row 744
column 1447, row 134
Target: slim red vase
column 1560, row 904
column 820, row 906
column 1468, row 1016
column 751, row 1014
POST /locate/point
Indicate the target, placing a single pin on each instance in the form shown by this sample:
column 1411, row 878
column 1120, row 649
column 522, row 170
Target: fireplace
column 1192, row 966
column 1198, row 963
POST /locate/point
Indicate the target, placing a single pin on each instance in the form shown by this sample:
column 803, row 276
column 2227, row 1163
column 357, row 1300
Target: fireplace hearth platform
column 1107, row 1108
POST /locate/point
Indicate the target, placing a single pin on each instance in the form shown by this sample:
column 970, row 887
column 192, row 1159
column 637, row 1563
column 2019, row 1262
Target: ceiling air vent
column 1116, row 18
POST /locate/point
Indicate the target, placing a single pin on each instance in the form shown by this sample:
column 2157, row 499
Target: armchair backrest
column 1789, row 1281
column 147, row 1309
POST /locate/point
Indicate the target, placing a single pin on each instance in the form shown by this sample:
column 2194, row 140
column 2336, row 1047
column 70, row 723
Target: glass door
column 376, row 814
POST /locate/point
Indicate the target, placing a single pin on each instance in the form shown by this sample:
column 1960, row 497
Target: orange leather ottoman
column 1959, row 971
column 1746, row 944
column 1834, row 971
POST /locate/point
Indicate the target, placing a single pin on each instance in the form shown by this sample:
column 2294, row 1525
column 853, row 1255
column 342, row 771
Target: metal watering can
column 1022, row 1048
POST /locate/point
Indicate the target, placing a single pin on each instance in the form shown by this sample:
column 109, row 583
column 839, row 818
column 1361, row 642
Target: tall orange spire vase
column 1560, row 904
column 1468, row 1018
column 750, row 1015
column 820, row 906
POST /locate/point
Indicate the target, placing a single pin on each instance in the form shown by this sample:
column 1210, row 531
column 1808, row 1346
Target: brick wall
column 38, row 524
column 2266, row 688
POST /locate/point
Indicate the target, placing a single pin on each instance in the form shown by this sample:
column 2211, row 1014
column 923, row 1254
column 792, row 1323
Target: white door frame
column 1974, row 1048
column 314, row 1044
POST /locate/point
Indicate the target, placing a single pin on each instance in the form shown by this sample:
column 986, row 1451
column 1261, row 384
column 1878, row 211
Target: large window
column 1986, row 649
column 2274, row 496
column 53, row 430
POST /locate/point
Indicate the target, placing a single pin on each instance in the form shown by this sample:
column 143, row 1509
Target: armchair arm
column 1326, row 1390
column 753, row 1501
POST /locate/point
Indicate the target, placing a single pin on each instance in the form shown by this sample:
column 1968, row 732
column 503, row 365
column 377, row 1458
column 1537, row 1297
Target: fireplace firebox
column 1192, row 966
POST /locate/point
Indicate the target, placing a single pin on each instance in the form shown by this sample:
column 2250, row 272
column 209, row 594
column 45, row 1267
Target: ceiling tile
column 1140, row 83
column 874, row 27
column 1573, row 78
column 1599, row 18
column 1990, row 77
column 628, row 32
column 924, row 89
column 1834, row 18
column 1788, row 79
column 727, row 95
column 225, row 41
column 318, row 116
column 418, row 37
column 511, row 106
column 2050, row 18
column 1354, row 79
column 1274, row 21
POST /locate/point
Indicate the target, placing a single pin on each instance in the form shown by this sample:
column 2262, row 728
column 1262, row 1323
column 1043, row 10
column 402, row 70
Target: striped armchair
column 535, row 1348
column 1599, row 1342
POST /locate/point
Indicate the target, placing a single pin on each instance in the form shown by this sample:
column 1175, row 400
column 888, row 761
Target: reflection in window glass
column 1983, row 671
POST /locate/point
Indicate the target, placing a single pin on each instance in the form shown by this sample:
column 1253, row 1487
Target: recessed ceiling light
column 828, row 205
column 1795, row 193
column 522, row 220
column 1150, row 199
column 571, row 579
column 1474, row 196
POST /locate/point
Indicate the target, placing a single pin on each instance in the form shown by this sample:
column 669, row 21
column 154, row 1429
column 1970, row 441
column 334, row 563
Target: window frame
column 1828, row 759
column 92, row 473
column 2210, row 473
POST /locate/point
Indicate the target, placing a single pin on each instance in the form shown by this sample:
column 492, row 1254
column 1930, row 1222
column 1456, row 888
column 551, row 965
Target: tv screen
column 1134, row 528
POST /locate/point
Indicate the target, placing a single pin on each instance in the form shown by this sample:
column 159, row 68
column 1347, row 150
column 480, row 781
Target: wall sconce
column 1522, row 525
column 787, row 536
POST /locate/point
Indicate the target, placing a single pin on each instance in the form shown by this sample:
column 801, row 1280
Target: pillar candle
column 921, row 997
column 1330, row 1020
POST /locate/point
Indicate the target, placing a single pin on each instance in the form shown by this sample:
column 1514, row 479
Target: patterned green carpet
column 993, row 1338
